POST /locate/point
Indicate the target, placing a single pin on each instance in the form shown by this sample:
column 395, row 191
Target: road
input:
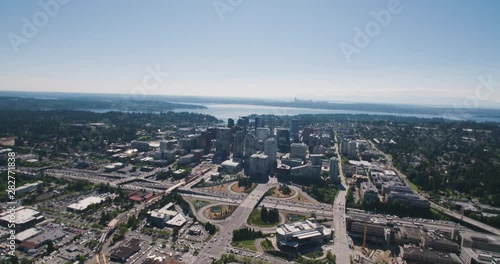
column 341, row 240
column 221, row 241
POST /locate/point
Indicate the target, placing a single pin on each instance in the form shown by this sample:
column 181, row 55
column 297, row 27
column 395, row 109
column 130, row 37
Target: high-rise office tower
column 352, row 149
column 259, row 122
column 316, row 159
column 294, row 130
column 223, row 143
column 258, row 165
column 246, row 121
column 306, row 133
column 334, row 169
column 230, row 122
column 270, row 149
column 298, row 150
column 240, row 122
column 344, row 146
column 325, row 140
column 250, row 145
column 283, row 137
column 238, row 145
column 262, row 133
column 272, row 126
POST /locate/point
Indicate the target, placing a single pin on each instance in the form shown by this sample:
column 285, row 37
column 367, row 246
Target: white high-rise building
column 270, row 149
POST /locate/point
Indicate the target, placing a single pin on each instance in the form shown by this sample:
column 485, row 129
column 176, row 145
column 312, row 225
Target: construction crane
column 364, row 235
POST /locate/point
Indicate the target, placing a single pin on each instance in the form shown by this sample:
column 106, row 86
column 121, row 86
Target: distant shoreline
column 160, row 103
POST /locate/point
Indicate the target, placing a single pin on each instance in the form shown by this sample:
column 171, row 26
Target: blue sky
column 432, row 52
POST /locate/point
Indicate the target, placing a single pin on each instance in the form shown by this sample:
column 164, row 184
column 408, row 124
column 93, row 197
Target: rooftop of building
column 28, row 233
column 29, row 185
column 230, row 163
column 47, row 235
column 128, row 248
column 480, row 237
column 23, row 215
column 303, row 229
column 259, row 156
column 406, row 196
column 426, row 253
column 83, row 204
column 177, row 220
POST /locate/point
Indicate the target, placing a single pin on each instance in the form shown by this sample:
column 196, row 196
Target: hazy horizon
column 428, row 53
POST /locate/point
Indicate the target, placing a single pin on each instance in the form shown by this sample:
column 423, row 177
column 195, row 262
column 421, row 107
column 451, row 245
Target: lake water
column 225, row 111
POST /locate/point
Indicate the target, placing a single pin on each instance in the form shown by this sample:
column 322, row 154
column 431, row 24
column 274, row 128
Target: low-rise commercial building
column 388, row 187
column 368, row 191
column 23, row 218
column 186, row 159
column 82, row 205
column 113, row 166
column 230, row 166
column 141, row 146
column 306, row 172
column 42, row 238
column 164, row 217
column 27, row 188
column 409, row 199
column 292, row 237
column 475, row 256
column 426, row 256
column 480, row 241
column 125, row 251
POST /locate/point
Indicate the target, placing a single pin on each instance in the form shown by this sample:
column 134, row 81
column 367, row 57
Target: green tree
column 264, row 216
column 50, row 247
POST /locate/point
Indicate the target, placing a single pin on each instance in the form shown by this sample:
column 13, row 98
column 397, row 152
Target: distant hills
column 92, row 104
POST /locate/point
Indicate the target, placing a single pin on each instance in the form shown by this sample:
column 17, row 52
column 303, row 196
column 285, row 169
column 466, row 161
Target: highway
column 114, row 180
column 341, row 247
column 465, row 219
column 321, row 209
column 428, row 223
